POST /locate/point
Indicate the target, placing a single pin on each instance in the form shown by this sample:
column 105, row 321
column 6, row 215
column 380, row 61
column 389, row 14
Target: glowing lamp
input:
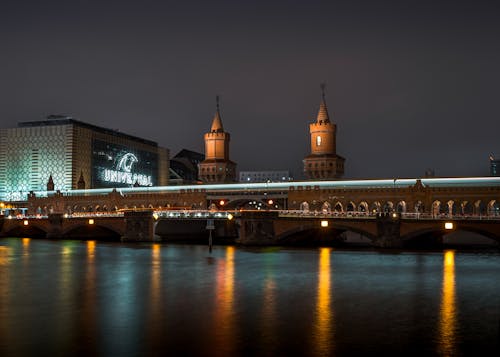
column 221, row 202
column 155, row 216
column 91, row 221
column 394, row 215
column 449, row 225
column 230, row 216
column 26, row 222
column 270, row 202
column 324, row 223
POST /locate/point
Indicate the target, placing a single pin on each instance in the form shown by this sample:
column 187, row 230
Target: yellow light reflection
column 324, row 313
column 88, row 315
column 269, row 318
column 448, row 319
column 155, row 275
column 4, row 255
column 90, row 250
column 224, row 305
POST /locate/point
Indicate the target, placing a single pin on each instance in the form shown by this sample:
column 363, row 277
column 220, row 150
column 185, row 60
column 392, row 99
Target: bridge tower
column 323, row 163
column 217, row 168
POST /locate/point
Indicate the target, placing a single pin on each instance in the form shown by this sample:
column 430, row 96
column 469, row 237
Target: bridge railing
column 372, row 215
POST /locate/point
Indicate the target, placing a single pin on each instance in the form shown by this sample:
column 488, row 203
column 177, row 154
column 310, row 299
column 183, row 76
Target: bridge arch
column 333, row 231
column 375, row 207
column 31, row 231
column 493, row 208
column 388, row 206
column 326, row 207
column 304, row 206
column 436, row 208
column 97, row 231
column 363, row 207
column 438, row 232
column 466, row 208
column 338, row 207
column 479, row 208
column 401, row 207
column 351, row 207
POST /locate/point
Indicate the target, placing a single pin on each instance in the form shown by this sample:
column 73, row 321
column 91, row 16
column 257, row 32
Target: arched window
column 318, row 140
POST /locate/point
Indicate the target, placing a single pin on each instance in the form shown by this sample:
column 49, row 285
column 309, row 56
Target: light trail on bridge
column 286, row 186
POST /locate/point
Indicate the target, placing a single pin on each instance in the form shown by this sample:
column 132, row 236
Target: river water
column 86, row 298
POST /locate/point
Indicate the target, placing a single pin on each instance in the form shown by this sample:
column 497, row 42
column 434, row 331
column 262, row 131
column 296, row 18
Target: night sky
column 411, row 85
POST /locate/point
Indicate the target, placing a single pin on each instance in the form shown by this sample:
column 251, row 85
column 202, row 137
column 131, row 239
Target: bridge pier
column 257, row 228
column 388, row 231
column 55, row 230
column 139, row 226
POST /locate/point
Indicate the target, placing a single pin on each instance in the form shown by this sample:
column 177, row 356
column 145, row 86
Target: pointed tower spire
column 217, row 122
column 81, row 182
column 323, row 110
column 50, row 184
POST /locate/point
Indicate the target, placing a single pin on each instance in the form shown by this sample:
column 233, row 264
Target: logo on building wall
column 123, row 172
column 126, row 161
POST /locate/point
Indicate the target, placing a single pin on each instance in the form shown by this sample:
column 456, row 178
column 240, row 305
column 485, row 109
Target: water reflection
column 269, row 318
column 448, row 319
column 4, row 296
column 224, row 305
column 65, row 299
column 155, row 312
column 324, row 313
column 155, row 275
column 88, row 315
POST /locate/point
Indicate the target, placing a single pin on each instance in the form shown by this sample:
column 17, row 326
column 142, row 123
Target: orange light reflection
column 448, row 320
column 224, row 305
column 324, row 313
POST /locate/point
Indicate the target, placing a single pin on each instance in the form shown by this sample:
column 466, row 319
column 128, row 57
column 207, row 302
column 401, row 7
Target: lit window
column 318, row 140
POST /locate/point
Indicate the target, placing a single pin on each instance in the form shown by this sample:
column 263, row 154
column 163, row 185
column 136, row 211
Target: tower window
column 318, row 140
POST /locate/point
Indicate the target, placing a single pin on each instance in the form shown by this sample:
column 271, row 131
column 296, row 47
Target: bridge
column 252, row 227
column 389, row 212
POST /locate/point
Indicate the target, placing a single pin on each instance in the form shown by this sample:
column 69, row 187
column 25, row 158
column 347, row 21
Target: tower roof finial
column 323, row 116
column 217, row 121
column 323, row 87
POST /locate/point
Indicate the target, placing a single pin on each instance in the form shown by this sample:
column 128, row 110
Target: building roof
column 67, row 120
column 217, row 121
column 323, row 112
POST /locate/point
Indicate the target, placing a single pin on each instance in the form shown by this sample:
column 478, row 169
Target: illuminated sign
column 123, row 172
column 119, row 166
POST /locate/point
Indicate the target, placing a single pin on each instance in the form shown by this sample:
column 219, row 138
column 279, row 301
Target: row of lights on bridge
column 324, row 223
column 448, row 225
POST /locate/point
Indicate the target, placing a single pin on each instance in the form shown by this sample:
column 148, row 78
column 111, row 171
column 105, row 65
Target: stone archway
column 388, row 206
column 436, row 207
column 363, row 207
column 375, row 207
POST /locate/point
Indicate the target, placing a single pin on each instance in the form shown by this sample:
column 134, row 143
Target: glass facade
column 29, row 155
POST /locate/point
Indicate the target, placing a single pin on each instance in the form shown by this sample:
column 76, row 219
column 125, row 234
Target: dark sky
column 411, row 84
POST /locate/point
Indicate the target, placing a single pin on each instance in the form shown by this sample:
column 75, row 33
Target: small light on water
column 448, row 225
column 26, row 222
column 324, row 223
column 91, row 221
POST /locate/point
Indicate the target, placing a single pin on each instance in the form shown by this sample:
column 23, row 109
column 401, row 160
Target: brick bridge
column 258, row 227
column 364, row 206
